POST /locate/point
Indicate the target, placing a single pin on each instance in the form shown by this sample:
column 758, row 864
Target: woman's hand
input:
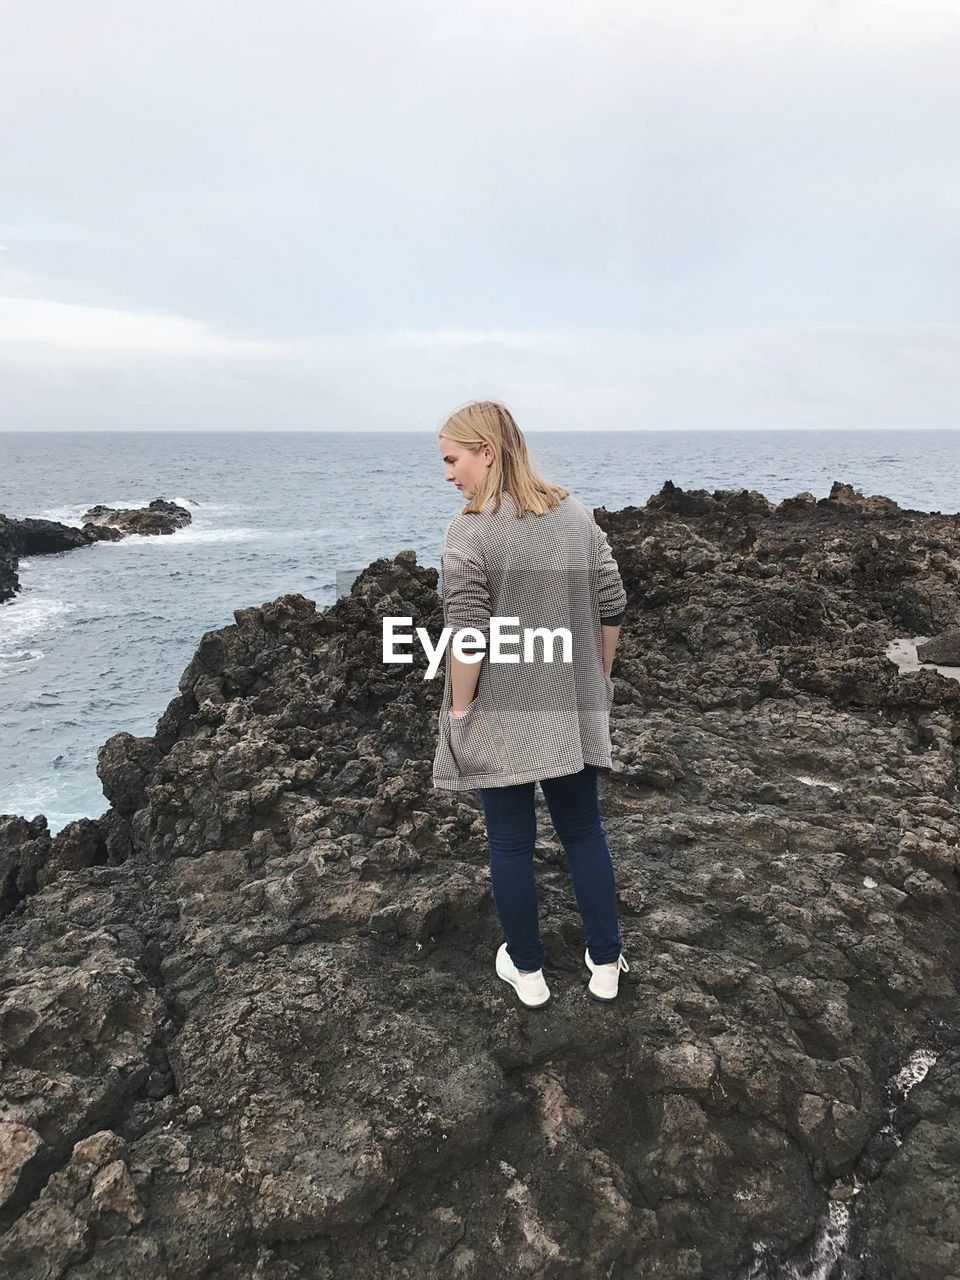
column 457, row 714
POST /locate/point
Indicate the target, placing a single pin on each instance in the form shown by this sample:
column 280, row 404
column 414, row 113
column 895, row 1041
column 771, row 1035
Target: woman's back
column 534, row 715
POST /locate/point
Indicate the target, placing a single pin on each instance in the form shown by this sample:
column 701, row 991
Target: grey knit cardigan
column 529, row 719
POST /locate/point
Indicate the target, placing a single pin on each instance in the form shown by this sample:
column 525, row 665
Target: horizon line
column 417, row 431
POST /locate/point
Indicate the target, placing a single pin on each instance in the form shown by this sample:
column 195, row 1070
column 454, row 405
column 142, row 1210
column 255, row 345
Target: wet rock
column 39, row 537
column 102, row 524
column 31, row 538
column 910, row 1223
column 944, row 648
column 158, row 517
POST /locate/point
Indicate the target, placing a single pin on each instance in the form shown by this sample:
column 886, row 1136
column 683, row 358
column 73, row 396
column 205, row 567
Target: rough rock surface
column 249, row 1024
column 101, row 524
column 944, row 648
column 156, row 518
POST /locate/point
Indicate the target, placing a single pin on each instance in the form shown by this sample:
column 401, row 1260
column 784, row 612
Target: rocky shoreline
column 249, row 1025
column 100, row 524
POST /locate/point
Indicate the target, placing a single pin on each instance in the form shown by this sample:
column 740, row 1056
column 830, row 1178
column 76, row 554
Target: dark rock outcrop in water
column 157, row 518
column 250, row 1025
column 101, row 524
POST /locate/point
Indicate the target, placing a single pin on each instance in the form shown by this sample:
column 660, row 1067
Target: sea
column 98, row 638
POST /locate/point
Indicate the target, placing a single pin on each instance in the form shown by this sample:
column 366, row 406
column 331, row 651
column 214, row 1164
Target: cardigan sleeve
column 610, row 589
column 466, row 588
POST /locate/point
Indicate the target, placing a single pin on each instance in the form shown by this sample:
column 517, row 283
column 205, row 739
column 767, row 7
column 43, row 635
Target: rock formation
column 101, row 524
column 249, row 1024
column 156, row 518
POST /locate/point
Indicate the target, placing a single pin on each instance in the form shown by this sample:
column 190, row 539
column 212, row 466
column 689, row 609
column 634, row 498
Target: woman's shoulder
column 576, row 504
column 463, row 529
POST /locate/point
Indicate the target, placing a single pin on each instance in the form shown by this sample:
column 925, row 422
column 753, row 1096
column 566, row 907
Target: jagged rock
column 124, row 764
column 19, row 1145
column 93, row 1195
column 31, row 538
column 24, row 848
column 250, row 1013
column 30, row 858
column 103, row 532
column 911, row 1221
column 846, row 495
column 158, row 517
column 39, row 537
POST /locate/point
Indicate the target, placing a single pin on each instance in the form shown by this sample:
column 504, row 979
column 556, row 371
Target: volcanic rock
column 249, row 1022
column 157, row 518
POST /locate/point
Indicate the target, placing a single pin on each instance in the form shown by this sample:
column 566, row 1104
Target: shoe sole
column 601, row 999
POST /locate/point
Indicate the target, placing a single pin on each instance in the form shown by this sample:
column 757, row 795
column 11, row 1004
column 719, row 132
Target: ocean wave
column 19, row 659
column 189, row 534
column 64, row 515
column 72, row 513
column 27, row 618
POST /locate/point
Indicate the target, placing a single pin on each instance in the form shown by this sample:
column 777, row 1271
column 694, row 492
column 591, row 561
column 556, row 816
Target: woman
column 530, row 555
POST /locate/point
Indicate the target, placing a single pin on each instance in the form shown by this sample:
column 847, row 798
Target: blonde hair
column 487, row 422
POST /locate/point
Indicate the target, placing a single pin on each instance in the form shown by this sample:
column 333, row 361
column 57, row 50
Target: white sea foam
column 73, row 513
column 200, row 530
column 28, row 800
column 41, row 799
column 63, row 515
column 189, row 535
column 24, row 622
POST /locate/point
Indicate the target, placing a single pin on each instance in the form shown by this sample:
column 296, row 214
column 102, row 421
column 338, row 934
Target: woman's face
column 464, row 468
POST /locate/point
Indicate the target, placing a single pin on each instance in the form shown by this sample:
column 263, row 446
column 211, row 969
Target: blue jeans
column 512, row 834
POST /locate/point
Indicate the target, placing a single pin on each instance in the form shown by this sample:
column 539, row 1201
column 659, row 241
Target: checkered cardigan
column 536, row 719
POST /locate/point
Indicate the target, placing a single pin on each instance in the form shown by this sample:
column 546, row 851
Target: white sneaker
column 531, row 988
column 604, row 979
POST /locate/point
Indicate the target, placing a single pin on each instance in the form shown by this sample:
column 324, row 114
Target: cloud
column 638, row 212
column 705, row 378
column 485, row 164
column 63, row 326
column 456, row 338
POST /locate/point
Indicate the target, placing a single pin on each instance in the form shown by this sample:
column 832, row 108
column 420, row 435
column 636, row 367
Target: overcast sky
column 608, row 213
